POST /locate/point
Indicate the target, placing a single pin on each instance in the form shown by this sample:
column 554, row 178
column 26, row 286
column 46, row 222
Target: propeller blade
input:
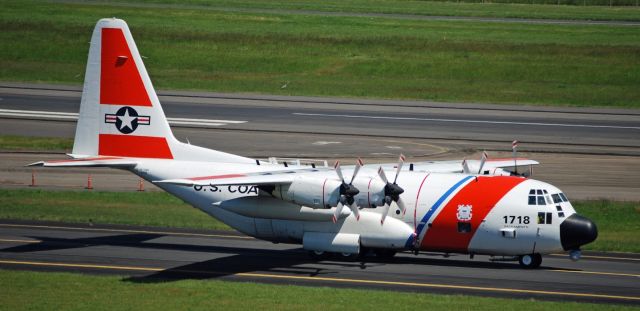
column 338, row 170
column 385, row 211
column 382, row 175
column 482, row 160
column 359, row 164
column 465, row 167
column 355, row 210
column 337, row 213
column 400, row 163
column 401, row 205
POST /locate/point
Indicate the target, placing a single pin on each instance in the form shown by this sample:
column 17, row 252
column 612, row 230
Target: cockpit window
column 556, row 198
column 564, row 198
column 541, row 197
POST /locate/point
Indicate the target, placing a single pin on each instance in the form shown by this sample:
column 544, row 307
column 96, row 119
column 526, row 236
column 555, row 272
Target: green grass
column 472, row 8
column 9, row 142
column 21, row 290
column 335, row 56
column 618, row 222
column 147, row 209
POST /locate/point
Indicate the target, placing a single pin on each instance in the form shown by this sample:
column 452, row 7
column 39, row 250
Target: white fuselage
column 446, row 212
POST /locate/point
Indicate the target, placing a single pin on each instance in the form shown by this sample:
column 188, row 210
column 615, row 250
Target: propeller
column 347, row 191
column 482, row 160
column 465, row 167
column 392, row 191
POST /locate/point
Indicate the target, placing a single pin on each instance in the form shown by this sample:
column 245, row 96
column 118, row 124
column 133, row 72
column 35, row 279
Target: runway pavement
column 585, row 161
column 160, row 255
column 569, row 130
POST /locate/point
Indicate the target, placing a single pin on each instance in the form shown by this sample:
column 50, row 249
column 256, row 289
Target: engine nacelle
column 371, row 192
column 310, row 192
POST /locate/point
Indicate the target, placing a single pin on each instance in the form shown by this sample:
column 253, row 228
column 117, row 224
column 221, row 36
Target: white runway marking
column 50, row 115
column 466, row 121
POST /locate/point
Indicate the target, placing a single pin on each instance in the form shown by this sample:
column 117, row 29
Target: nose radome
column 576, row 231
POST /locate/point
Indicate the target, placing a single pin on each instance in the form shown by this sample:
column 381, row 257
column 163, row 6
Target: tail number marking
column 517, row 220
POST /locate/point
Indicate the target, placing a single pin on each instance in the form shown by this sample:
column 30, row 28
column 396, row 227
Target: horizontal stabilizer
column 89, row 162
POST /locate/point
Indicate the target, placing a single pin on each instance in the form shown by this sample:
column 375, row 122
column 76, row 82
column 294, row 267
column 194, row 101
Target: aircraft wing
column 457, row 167
column 89, row 162
column 254, row 178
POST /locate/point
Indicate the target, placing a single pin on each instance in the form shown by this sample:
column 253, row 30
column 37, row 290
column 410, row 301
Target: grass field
column 474, row 8
column 618, row 222
column 297, row 54
column 127, row 208
column 20, row 290
column 10, row 142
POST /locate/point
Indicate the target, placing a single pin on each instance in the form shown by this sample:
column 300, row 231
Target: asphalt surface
column 587, row 165
column 593, row 131
column 161, row 255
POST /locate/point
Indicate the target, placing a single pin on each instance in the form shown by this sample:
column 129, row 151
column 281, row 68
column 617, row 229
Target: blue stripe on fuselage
column 434, row 208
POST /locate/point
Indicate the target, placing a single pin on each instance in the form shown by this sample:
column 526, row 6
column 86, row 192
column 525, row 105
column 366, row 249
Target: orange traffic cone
column 33, row 178
column 89, row 183
column 140, row 185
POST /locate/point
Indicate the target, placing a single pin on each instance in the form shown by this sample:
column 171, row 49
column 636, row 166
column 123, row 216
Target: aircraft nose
column 576, row 231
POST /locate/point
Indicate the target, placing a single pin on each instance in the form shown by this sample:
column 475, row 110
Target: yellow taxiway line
column 335, row 280
column 19, row 241
column 596, row 272
column 601, row 257
column 129, row 231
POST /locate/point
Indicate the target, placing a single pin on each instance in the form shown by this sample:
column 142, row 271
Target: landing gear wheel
column 348, row 256
column 318, row 255
column 531, row 261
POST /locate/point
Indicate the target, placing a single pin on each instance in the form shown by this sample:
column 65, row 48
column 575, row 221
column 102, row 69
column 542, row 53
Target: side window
column 464, row 227
column 545, row 218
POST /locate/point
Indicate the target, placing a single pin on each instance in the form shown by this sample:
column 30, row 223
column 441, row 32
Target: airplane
column 469, row 207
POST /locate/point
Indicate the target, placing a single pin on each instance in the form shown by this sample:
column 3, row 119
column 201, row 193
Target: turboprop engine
column 327, row 193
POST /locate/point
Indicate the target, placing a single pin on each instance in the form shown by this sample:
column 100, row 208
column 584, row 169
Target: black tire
column 530, row 261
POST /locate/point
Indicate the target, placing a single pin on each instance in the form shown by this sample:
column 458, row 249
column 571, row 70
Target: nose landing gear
column 530, row 261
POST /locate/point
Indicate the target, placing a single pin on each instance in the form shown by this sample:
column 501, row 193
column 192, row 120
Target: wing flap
column 231, row 180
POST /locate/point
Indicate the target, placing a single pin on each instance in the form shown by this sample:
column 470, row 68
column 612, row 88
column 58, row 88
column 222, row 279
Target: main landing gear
column 530, row 261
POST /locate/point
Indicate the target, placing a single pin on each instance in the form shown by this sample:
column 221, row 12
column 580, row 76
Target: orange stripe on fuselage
column 134, row 146
column 120, row 82
column 482, row 195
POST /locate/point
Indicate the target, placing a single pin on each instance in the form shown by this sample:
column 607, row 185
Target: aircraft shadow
column 236, row 260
